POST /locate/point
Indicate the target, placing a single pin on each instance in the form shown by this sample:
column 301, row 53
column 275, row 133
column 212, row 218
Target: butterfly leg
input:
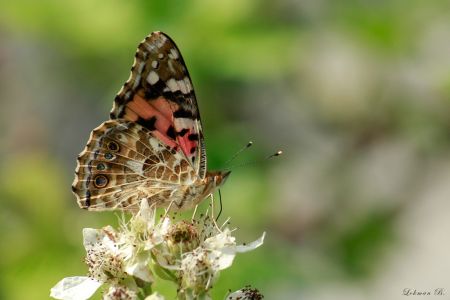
column 195, row 211
column 168, row 209
column 212, row 212
column 220, row 202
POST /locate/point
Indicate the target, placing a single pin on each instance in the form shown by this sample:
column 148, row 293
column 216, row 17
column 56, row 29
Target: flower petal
column 146, row 212
column 75, row 288
column 253, row 245
column 221, row 240
column 223, row 259
column 91, row 236
column 141, row 271
column 247, row 293
column 164, row 226
column 155, row 296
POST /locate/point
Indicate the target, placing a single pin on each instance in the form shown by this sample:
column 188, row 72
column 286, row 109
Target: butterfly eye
column 109, row 156
column 100, row 181
column 113, row 146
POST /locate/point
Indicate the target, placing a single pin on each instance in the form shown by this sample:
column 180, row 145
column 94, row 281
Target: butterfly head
column 214, row 180
column 220, row 177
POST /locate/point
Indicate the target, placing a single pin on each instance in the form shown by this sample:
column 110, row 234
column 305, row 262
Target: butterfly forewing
column 159, row 95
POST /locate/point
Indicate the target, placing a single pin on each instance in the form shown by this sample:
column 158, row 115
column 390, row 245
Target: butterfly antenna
column 249, row 144
column 220, row 201
column 278, row 153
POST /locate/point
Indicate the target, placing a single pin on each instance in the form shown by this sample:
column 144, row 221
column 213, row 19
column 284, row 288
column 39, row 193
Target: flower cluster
column 128, row 260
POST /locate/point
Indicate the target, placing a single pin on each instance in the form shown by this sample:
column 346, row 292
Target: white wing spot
column 171, row 68
column 160, row 55
column 173, row 53
column 184, row 123
column 161, row 41
column 185, row 85
column 154, row 64
column 187, row 82
column 179, row 85
column 178, row 157
column 155, row 144
column 172, row 84
column 152, row 77
column 121, row 137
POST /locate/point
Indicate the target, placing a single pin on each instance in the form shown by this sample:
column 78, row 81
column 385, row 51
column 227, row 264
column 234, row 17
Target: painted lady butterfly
column 152, row 147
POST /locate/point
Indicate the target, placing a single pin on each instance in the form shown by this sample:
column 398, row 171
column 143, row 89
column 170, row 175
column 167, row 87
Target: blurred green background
column 356, row 93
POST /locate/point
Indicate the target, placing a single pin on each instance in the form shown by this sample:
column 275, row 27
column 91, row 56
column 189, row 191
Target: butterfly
column 152, row 147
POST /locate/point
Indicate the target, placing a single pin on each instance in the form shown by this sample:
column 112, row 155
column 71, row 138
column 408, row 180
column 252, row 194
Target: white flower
column 247, row 293
column 139, row 268
column 105, row 263
column 137, row 237
column 223, row 247
column 103, row 256
column 196, row 253
column 111, row 257
column 189, row 253
column 75, row 288
column 181, row 237
column 142, row 232
column 200, row 268
column 142, row 228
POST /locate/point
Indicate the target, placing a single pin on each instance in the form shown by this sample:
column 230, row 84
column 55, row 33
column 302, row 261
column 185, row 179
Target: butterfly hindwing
column 124, row 162
column 159, row 95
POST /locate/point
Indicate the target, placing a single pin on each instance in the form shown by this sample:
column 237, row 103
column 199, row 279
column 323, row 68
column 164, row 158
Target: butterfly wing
column 153, row 145
column 123, row 163
column 159, row 96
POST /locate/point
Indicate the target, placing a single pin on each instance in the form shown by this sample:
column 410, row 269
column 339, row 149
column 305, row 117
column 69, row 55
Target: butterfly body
column 153, row 147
